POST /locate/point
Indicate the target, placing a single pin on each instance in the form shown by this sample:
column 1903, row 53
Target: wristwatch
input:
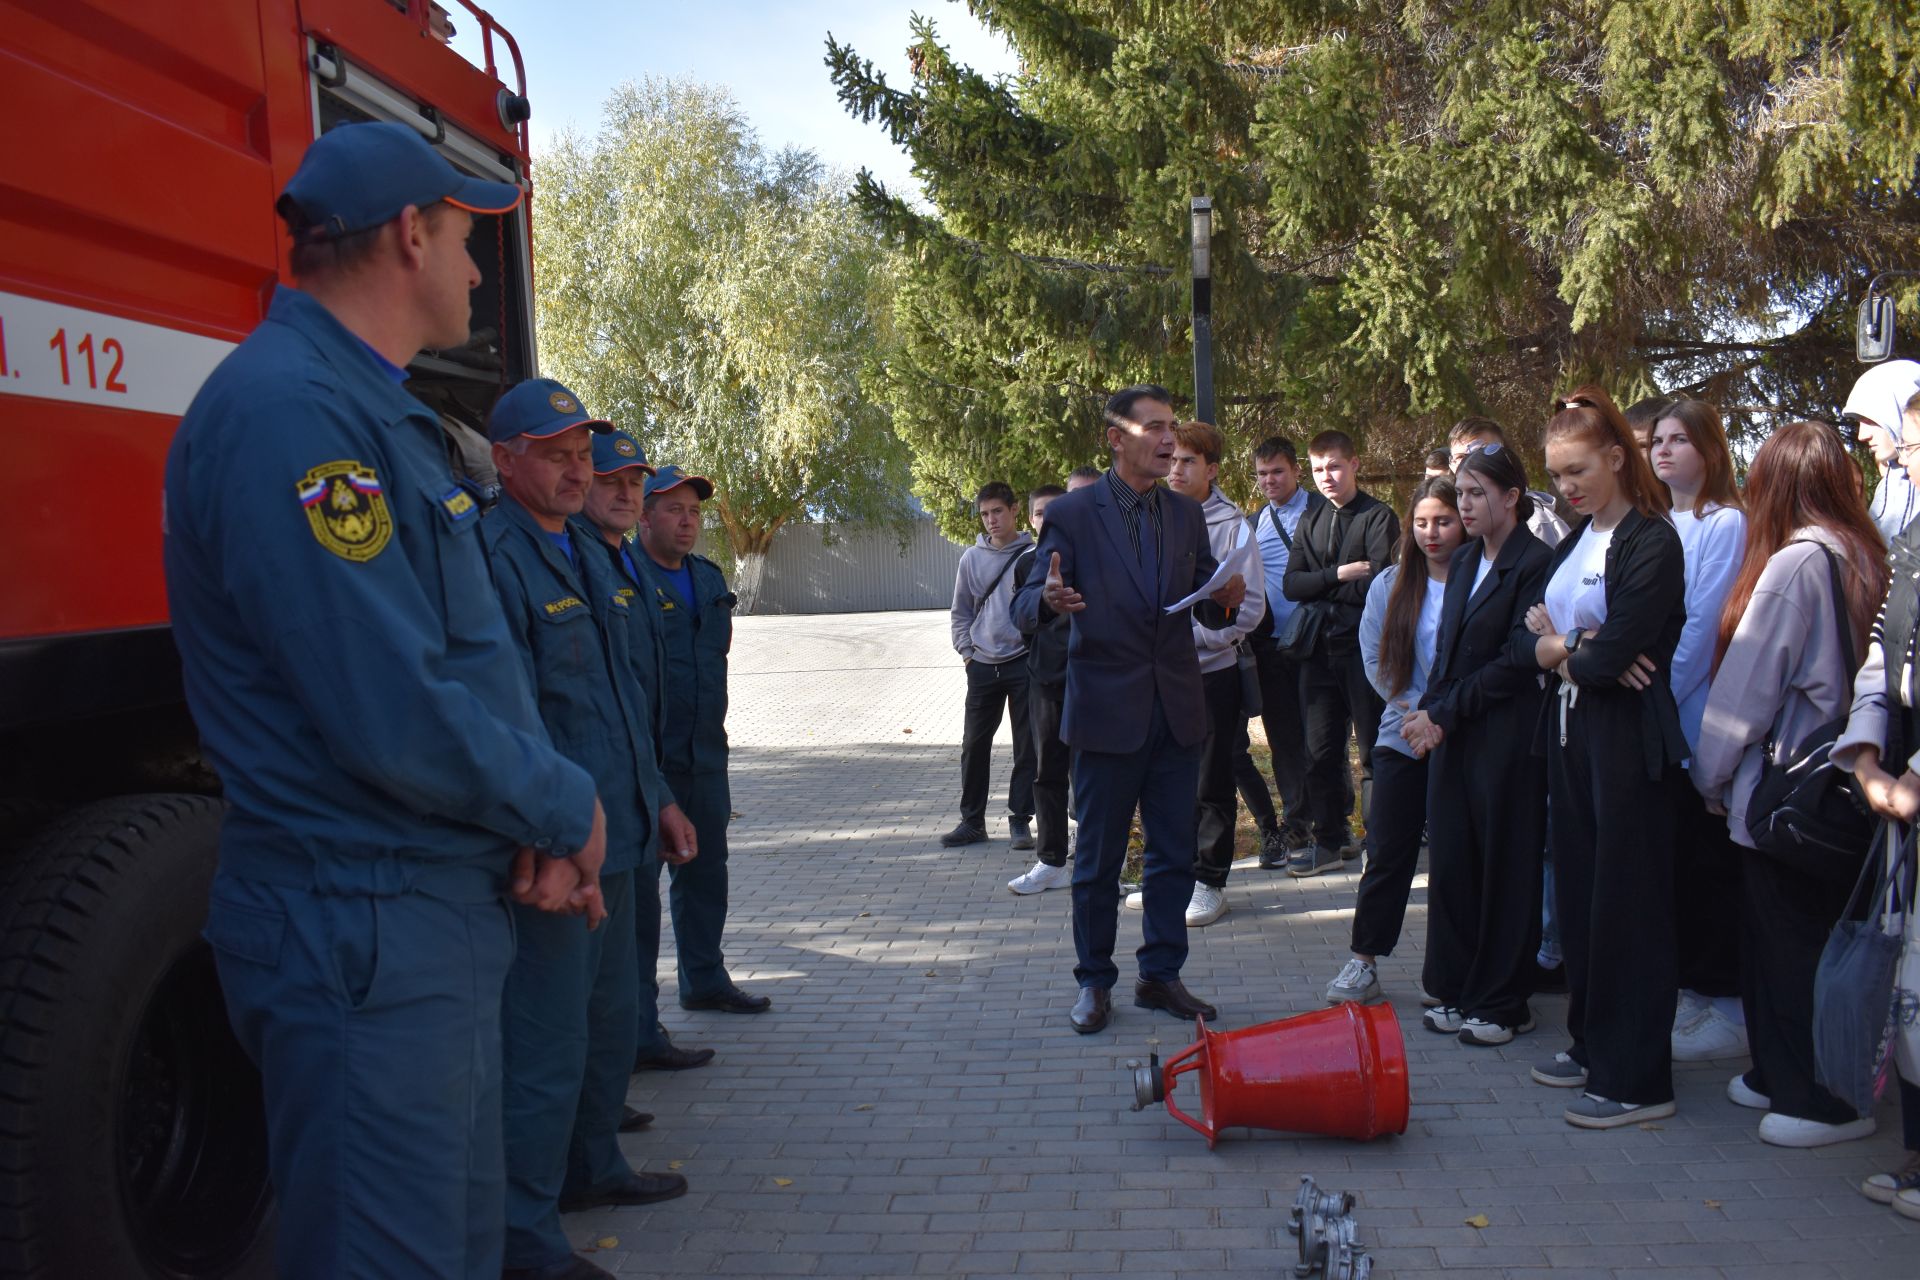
column 1573, row 639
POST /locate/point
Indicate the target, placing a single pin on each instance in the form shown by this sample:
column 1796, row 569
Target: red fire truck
column 143, row 147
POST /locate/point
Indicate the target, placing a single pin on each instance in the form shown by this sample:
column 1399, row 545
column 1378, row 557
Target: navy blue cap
column 616, row 451
column 539, row 407
column 357, row 176
column 672, row 477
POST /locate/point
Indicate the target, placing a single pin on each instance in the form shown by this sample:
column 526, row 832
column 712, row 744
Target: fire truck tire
column 132, row 1136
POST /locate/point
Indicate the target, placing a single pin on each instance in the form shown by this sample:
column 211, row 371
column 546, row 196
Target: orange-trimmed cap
column 539, row 407
column 357, row 176
column 672, row 477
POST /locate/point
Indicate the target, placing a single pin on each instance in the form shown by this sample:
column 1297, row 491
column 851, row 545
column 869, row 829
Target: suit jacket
column 1474, row 675
column 1124, row 649
column 1328, row 537
column 1646, row 609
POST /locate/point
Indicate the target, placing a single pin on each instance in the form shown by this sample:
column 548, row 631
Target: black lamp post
column 1202, row 214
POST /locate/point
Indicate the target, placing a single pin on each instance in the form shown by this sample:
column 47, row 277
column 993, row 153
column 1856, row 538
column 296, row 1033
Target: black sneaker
column 965, row 833
column 1549, row 982
column 1313, row 860
column 1021, row 829
column 1273, row 850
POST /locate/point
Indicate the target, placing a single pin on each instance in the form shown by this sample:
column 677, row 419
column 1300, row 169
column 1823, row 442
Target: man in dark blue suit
column 1117, row 553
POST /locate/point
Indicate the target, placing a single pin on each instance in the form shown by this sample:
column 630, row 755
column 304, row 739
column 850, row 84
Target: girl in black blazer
column 1486, row 789
column 1616, row 590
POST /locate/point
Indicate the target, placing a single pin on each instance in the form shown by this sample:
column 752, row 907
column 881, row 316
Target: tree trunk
column 748, row 572
column 750, row 547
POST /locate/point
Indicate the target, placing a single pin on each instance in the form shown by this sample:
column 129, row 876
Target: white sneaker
column 1357, row 983
column 1688, row 1007
column 1040, row 879
column 1444, row 1019
column 1710, row 1036
column 1792, row 1131
column 1482, row 1032
column 1207, row 905
column 1136, row 901
column 1742, row 1094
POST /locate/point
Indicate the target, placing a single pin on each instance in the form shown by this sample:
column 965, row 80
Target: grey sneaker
column 1560, row 1072
column 1358, row 983
column 1591, row 1111
column 1021, row 829
column 1479, row 1031
column 1444, row 1019
column 1313, row 860
column 965, row 833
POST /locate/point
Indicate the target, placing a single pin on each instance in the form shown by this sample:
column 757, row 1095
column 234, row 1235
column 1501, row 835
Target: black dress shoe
column 1021, row 829
column 730, row 999
column 574, row 1268
column 672, row 1058
column 965, row 833
column 1091, row 1010
column 640, row 1188
column 632, row 1121
column 1174, row 997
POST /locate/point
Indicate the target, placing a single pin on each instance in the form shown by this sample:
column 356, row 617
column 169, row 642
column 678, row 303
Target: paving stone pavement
column 917, row 1105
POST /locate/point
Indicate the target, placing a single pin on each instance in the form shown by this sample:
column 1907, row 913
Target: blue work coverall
column 356, row 688
column 571, row 1001
column 696, row 636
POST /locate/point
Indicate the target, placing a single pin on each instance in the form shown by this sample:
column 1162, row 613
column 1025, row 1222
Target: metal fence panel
column 851, row 568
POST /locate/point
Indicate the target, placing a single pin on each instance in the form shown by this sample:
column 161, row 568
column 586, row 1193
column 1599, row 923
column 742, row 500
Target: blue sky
column 768, row 52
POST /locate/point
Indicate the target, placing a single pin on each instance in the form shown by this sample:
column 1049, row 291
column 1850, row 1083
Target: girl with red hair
column 1615, row 592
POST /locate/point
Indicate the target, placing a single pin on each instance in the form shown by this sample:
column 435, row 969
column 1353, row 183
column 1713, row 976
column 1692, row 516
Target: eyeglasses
column 1488, row 447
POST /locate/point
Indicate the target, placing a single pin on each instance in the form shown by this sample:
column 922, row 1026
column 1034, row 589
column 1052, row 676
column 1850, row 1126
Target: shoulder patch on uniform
column 565, row 604
column 347, row 509
column 459, row 503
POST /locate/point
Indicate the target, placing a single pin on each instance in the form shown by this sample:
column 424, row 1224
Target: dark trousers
column 1163, row 779
column 1053, row 763
column 1214, row 810
column 651, row 1037
column 376, row 1025
column 1285, row 723
column 1613, row 877
column 697, row 895
column 1337, row 700
column 1486, row 825
column 992, row 687
column 1909, row 1113
column 1706, row 899
column 1393, row 851
column 1251, row 783
column 1786, row 917
column 568, row 1048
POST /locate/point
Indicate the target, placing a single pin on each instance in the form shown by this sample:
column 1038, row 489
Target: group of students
column 1566, row 702
column 1610, row 698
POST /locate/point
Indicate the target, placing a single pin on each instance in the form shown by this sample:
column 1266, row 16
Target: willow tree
column 726, row 305
column 1423, row 209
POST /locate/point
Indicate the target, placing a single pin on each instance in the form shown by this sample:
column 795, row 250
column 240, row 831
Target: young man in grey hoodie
column 994, row 651
column 1197, row 450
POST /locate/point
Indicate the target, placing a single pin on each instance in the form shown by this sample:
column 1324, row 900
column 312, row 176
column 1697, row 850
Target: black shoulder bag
column 1297, row 636
column 1807, row 812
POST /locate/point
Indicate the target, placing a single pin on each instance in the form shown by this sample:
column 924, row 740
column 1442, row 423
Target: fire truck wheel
column 132, row 1136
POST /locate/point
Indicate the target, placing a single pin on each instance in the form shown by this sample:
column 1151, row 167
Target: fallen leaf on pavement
column 607, row 1242
column 675, row 1164
column 1711, row 1204
column 865, row 1106
column 1479, row 1221
column 783, row 1182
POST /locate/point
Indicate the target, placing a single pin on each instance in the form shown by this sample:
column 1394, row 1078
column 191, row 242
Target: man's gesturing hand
column 679, row 842
column 1231, row 594
column 1057, row 595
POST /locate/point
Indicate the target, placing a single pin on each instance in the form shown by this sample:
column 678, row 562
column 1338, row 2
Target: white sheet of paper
column 1238, row 560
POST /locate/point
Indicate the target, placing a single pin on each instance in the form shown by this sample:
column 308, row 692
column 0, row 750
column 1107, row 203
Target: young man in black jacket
column 1339, row 549
column 1046, row 694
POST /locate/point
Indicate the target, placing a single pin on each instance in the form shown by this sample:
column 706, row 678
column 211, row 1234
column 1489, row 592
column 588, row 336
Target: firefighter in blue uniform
column 572, row 999
column 354, row 684
column 696, row 626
